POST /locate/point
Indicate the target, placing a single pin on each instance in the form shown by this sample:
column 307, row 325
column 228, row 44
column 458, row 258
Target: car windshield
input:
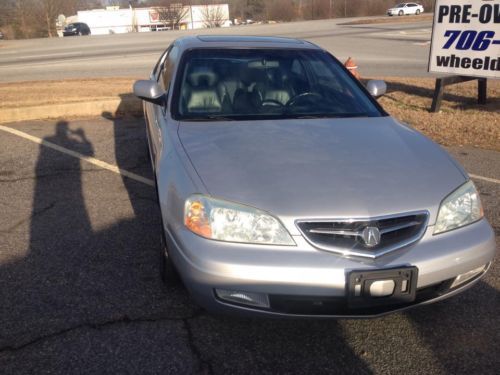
column 249, row 84
column 400, row 6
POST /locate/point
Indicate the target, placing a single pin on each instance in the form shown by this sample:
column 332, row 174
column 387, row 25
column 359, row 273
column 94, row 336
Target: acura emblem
column 371, row 236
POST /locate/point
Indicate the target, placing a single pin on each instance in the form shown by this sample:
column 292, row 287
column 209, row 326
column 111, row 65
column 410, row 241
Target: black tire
column 417, row 12
column 168, row 272
column 401, row 13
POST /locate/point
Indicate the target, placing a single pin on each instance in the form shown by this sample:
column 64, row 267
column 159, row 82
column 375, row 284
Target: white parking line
column 88, row 159
column 123, row 172
column 488, row 179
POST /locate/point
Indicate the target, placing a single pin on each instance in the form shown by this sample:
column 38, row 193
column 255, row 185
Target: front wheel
column 417, row 12
column 168, row 272
column 400, row 13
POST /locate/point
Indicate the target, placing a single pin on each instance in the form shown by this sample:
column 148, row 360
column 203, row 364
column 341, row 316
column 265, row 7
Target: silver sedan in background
column 285, row 189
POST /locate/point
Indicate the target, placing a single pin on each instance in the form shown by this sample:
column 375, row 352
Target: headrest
column 276, row 75
column 202, row 76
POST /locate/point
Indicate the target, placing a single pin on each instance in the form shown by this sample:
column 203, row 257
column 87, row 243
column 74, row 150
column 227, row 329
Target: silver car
column 285, row 188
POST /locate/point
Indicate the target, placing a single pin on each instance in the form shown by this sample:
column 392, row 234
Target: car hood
column 321, row 168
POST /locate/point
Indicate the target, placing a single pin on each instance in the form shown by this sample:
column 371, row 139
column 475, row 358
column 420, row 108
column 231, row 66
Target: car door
column 411, row 8
column 158, row 114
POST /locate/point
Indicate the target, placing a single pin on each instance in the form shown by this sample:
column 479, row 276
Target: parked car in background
column 76, row 28
column 405, row 9
column 285, row 188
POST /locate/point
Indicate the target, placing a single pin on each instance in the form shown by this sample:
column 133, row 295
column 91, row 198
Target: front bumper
column 304, row 281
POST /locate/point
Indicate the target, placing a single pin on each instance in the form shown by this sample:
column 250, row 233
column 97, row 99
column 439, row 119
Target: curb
column 128, row 106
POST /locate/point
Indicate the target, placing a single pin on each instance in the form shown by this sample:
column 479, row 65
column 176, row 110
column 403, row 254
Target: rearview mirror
column 376, row 87
column 149, row 91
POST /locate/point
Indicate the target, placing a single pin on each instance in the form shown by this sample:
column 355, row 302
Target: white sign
column 466, row 38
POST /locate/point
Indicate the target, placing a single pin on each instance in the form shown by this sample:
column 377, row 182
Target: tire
column 168, row 272
column 417, row 12
column 401, row 13
column 80, row 33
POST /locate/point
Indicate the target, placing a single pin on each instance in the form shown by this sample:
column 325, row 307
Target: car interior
column 264, row 86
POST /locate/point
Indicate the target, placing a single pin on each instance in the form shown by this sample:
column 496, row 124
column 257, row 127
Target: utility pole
column 191, row 13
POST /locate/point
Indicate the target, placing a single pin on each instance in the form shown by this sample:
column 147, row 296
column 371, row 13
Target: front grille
column 353, row 237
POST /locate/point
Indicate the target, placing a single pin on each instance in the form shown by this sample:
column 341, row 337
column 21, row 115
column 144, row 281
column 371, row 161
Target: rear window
column 247, row 84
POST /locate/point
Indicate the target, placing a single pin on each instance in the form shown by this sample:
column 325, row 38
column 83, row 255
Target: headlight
column 460, row 208
column 226, row 221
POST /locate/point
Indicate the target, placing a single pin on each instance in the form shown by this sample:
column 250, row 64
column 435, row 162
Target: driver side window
column 167, row 68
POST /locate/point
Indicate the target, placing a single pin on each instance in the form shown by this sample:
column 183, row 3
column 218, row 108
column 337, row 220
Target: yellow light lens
column 196, row 219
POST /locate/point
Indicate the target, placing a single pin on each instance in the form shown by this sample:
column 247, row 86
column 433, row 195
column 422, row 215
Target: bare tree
column 172, row 13
column 19, row 19
column 213, row 16
column 37, row 18
column 281, row 10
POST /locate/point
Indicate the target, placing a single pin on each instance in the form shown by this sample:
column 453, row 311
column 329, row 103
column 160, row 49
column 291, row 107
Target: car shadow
column 462, row 332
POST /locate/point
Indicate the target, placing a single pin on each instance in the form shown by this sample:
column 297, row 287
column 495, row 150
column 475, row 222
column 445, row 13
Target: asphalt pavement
column 81, row 293
column 391, row 49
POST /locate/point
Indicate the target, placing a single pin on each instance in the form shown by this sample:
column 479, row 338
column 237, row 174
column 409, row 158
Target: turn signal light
column 464, row 277
column 196, row 219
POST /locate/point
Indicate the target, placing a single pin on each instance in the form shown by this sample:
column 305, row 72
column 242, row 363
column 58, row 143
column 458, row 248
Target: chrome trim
column 370, row 254
column 398, row 227
column 337, row 232
column 359, row 233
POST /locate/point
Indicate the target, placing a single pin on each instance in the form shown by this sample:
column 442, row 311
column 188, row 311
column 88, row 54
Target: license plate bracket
column 364, row 287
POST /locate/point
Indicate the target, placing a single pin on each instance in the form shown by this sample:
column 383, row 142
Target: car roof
column 235, row 41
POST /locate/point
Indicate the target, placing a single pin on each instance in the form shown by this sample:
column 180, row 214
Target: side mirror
column 149, row 91
column 376, row 87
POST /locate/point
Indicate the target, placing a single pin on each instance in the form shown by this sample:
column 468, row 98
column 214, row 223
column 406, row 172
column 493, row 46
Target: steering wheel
column 293, row 101
column 272, row 102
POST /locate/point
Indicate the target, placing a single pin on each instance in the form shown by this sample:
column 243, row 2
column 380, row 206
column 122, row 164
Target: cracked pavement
column 80, row 290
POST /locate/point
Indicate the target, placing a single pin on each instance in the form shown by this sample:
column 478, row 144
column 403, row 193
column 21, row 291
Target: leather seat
column 275, row 87
column 201, row 94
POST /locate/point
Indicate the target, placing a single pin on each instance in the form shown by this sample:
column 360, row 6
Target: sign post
column 466, row 43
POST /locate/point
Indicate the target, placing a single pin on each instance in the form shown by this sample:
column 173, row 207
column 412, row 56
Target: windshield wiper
column 209, row 118
column 311, row 116
column 329, row 115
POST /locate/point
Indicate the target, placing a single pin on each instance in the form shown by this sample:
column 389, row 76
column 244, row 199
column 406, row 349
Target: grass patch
column 37, row 93
column 388, row 19
column 461, row 120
